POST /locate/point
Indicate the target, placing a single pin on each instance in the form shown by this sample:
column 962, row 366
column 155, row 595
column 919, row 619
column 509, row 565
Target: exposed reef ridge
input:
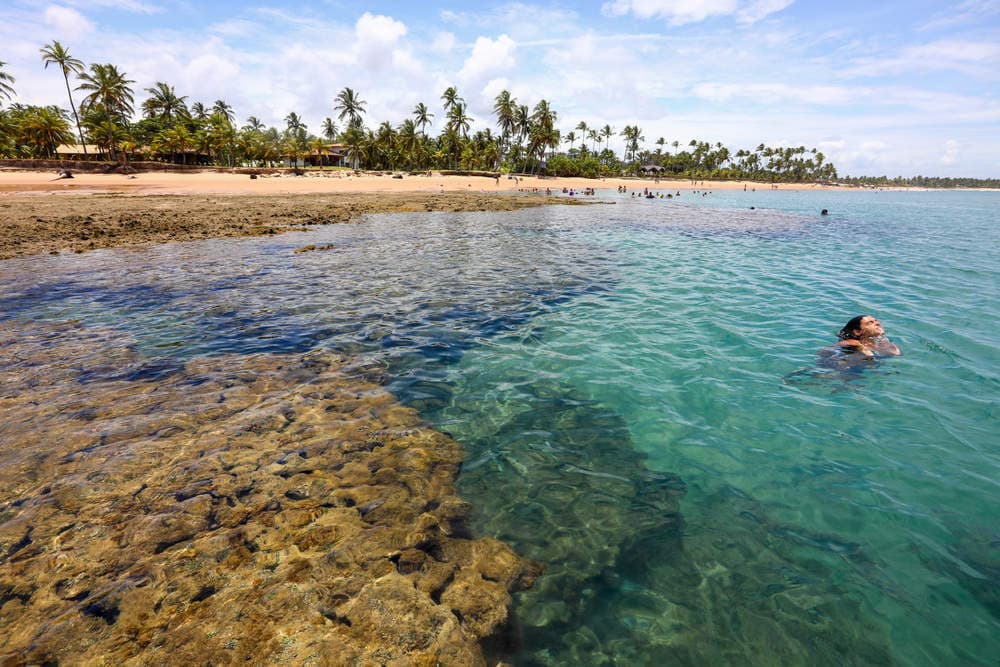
column 226, row 509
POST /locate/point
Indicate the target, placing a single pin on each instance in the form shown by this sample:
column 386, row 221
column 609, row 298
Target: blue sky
column 888, row 87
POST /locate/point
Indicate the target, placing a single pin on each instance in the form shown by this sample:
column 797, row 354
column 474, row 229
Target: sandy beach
column 14, row 183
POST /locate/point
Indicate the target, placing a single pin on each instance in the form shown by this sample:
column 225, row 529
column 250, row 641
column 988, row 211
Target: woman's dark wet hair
column 848, row 331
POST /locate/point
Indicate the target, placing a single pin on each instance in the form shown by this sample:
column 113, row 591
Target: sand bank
column 314, row 182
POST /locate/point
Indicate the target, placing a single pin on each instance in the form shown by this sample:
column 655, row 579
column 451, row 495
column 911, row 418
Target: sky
column 895, row 87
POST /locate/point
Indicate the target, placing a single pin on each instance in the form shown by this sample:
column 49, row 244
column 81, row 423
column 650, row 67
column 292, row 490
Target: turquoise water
column 638, row 391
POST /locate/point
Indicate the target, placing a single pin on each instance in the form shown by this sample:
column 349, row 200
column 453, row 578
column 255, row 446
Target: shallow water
column 637, row 390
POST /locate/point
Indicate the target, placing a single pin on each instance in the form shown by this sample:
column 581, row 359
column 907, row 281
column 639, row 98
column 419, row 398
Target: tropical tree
column 178, row 140
column 294, row 124
column 56, row 54
column 584, row 131
column 164, row 104
column 317, row 148
column 571, row 138
column 110, row 98
column 222, row 108
column 350, row 106
column 607, row 132
column 329, row 129
column 45, row 128
column 254, row 124
column 544, row 135
column 199, row 112
column 354, row 136
column 6, row 89
column 459, row 120
column 422, row 117
column 450, row 98
column 408, row 141
column 505, row 108
column 108, row 88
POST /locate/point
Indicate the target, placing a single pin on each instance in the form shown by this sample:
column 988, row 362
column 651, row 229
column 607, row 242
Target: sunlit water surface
column 638, row 392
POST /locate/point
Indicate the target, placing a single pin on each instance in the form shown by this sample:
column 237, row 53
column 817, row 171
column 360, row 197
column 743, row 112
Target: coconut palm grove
column 523, row 137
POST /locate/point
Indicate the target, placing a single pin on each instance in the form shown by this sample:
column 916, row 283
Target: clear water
column 639, row 395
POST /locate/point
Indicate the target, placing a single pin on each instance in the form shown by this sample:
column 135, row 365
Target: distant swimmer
column 864, row 335
column 824, row 212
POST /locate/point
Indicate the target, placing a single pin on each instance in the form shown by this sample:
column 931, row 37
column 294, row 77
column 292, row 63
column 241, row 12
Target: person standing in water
column 865, row 335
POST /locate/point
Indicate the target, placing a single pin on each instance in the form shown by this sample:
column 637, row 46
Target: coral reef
column 271, row 507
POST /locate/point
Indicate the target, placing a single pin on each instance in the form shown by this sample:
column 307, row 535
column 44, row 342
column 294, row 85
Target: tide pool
column 637, row 388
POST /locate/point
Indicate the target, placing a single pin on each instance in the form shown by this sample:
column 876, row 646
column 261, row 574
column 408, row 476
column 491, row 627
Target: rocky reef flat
column 33, row 224
column 225, row 509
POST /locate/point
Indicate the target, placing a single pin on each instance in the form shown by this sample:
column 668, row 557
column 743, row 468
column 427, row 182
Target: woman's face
column 870, row 328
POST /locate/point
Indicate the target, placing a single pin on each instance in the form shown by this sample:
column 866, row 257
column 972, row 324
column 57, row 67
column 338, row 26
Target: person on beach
column 865, row 335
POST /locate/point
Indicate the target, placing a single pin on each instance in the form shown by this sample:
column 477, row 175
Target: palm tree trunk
column 75, row 115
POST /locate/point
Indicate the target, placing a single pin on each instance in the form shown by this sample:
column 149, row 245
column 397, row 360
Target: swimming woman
column 864, row 334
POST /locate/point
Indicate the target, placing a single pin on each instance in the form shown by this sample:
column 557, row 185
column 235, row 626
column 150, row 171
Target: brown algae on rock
column 229, row 509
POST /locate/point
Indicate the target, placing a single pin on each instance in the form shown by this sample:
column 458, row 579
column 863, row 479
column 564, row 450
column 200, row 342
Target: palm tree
column 544, row 134
column 294, row 124
column 6, row 90
column 607, row 132
column 46, row 129
column 350, row 106
column 317, row 148
column 108, row 88
column 199, row 112
column 408, row 140
column 254, row 124
column 163, row 103
column 459, row 120
column 329, row 129
column 522, row 124
column 450, row 98
column 505, row 106
column 422, row 117
column 354, row 136
column 584, row 132
column 223, row 109
column 571, row 138
column 110, row 93
column 56, row 54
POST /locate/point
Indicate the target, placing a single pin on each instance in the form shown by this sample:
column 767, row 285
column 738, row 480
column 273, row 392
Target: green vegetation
column 526, row 139
column 920, row 182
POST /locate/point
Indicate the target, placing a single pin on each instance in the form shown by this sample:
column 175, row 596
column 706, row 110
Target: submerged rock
column 235, row 508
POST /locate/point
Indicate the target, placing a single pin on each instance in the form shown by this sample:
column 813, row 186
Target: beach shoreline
column 42, row 213
column 19, row 182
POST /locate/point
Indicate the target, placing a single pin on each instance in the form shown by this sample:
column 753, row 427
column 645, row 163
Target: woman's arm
column 855, row 345
column 888, row 347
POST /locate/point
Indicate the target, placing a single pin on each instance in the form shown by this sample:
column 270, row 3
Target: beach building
column 76, row 152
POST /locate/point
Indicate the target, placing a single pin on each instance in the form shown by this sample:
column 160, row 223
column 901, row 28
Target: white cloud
column 235, row 28
column 680, row 12
column 66, row 23
column 966, row 56
column 771, row 93
column 377, row 38
column 490, row 58
column 950, row 155
column 443, row 42
column 760, row 9
column 134, row 6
